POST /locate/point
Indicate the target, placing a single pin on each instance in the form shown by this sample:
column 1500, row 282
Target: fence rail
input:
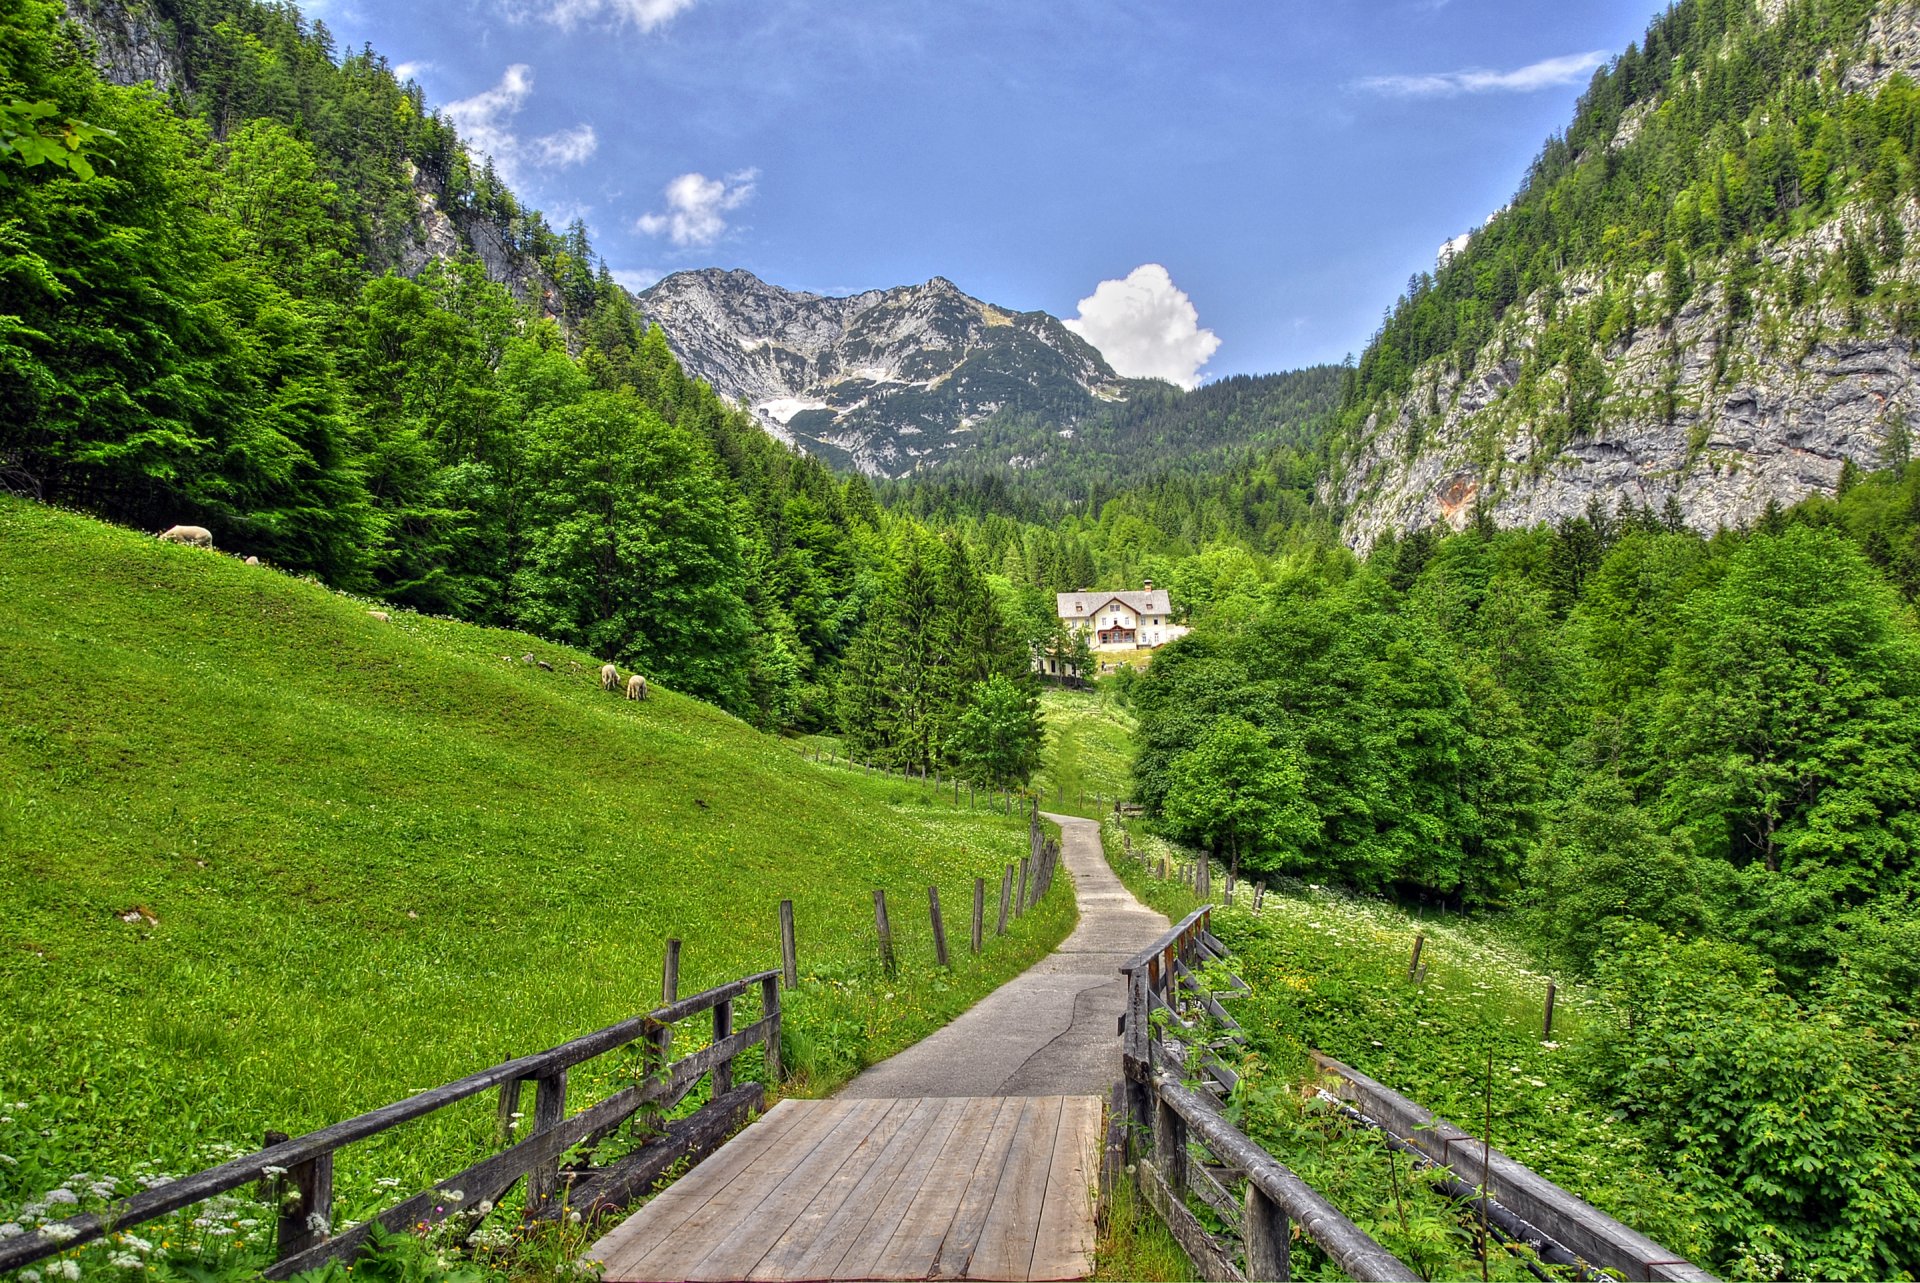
column 1169, row 1118
column 301, row 1168
column 1568, row 1227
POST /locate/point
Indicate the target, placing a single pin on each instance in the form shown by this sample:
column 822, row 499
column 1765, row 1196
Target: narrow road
column 1053, row 1030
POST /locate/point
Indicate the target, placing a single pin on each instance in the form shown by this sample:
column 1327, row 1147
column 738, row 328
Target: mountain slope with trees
column 239, row 314
column 1705, row 291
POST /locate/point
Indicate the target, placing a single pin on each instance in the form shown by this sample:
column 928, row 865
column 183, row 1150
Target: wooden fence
column 1524, row 1205
column 1175, row 1081
column 300, row 1170
column 1169, row 1120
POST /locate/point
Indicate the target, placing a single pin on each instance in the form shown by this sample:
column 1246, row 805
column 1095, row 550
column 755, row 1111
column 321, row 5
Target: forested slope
column 1704, row 292
column 244, row 311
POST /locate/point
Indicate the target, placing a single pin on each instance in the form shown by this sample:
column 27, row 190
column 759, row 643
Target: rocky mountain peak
column 883, row 379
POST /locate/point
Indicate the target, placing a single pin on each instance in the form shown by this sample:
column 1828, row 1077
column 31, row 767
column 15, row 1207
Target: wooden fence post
column 1020, row 903
column 549, row 1111
column 939, row 927
column 1006, row 897
column 882, row 930
column 1267, row 1237
column 1546, row 1034
column 979, row 911
column 1170, row 1147
column 670, row 974
column 1259, row 894
column 770, row 1012
column 306, row 1219
column 723, row 1028
column 789, row 947
column 1419, row 942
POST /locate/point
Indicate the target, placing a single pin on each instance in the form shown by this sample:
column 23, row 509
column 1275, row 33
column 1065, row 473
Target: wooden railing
column 1170, row 1119
column 1524, row 1205
column 300, row 1169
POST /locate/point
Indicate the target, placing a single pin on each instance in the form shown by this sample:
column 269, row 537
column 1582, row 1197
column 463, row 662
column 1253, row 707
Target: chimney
column 1149, row 585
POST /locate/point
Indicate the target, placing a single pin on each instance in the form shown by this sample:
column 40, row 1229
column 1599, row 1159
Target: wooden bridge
column 983, row 1188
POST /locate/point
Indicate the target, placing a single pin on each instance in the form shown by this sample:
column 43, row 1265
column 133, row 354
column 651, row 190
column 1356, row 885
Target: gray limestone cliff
column 1721, row 414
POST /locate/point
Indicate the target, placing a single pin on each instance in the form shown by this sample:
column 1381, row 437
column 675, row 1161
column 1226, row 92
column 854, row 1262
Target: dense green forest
column 1729, row 129
column 1688, row 765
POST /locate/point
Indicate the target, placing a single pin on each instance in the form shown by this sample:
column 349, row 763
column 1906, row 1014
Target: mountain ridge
column 887, row 381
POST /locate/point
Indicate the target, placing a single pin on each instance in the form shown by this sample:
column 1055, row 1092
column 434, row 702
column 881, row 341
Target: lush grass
column 1136, row 1245
column 380, row 855
column 1329, row 973
column 1089, row 749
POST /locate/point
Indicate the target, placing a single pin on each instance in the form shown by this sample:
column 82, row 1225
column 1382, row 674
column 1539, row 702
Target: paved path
column 1052, row 1030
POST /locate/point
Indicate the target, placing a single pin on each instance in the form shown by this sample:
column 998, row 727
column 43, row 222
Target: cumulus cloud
column 636, row 279
column 568, row 14
column 405, row 71
column 1564, row 70
column 485, row 121
column 697, row 207
column 1146, row 327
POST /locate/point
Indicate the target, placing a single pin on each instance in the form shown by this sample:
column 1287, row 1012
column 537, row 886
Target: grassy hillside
column 1088, row 749
column 378, row 855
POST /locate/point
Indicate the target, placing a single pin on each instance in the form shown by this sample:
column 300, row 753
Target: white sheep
column 636, row 687
column 609, row 677
column 194, row 536
column 380, row 615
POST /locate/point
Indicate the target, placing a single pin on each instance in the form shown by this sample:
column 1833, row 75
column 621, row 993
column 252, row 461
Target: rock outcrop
column 883, row 380
column 1721, row 415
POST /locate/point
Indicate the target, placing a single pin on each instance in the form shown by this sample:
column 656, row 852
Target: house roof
column 1084, row 605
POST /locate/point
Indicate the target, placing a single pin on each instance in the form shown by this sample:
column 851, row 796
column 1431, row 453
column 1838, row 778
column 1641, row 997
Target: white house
column 1120, row 620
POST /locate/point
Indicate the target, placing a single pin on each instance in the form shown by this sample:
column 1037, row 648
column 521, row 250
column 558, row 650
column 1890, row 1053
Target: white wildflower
column 317, row 1223
column 11, row 1230
column 220, row 1231
column 69, row 1270
column 455, row 1195
column 390, row 1182
column 273, row 1170
column 135, row 1243
column 29, row 1276
column 484, row 1207
column 124, row 1261
column 101, row 1189
column 58, row 1232
column 573, row 1217
column 62, row 1197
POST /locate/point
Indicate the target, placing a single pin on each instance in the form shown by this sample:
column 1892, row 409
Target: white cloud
column 636, row 279
column 405, row 71
column 568, row 14
column 485, row 121
column 1564, row 70
column 696, row 207
column 1146, row 327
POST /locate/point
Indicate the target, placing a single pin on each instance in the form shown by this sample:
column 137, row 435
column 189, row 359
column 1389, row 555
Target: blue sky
column 1289, row 162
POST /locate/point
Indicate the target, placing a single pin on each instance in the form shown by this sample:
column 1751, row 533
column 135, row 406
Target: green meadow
column 1089, row 748
column 267, row 861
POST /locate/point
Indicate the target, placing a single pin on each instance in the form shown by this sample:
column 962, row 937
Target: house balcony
column 1118, row 637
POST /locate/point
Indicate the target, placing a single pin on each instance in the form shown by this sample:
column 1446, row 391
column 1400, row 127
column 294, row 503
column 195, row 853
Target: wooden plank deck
column 963, row 1188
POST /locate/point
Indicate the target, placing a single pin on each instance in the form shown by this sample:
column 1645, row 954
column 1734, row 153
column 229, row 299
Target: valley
column 1564, row 640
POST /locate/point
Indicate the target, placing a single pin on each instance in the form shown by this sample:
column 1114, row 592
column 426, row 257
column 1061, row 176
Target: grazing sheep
column 194, row 536
column 527, row 658
column 609, row 677
column 380, row 615
column 636, row 687
column 253, row 561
